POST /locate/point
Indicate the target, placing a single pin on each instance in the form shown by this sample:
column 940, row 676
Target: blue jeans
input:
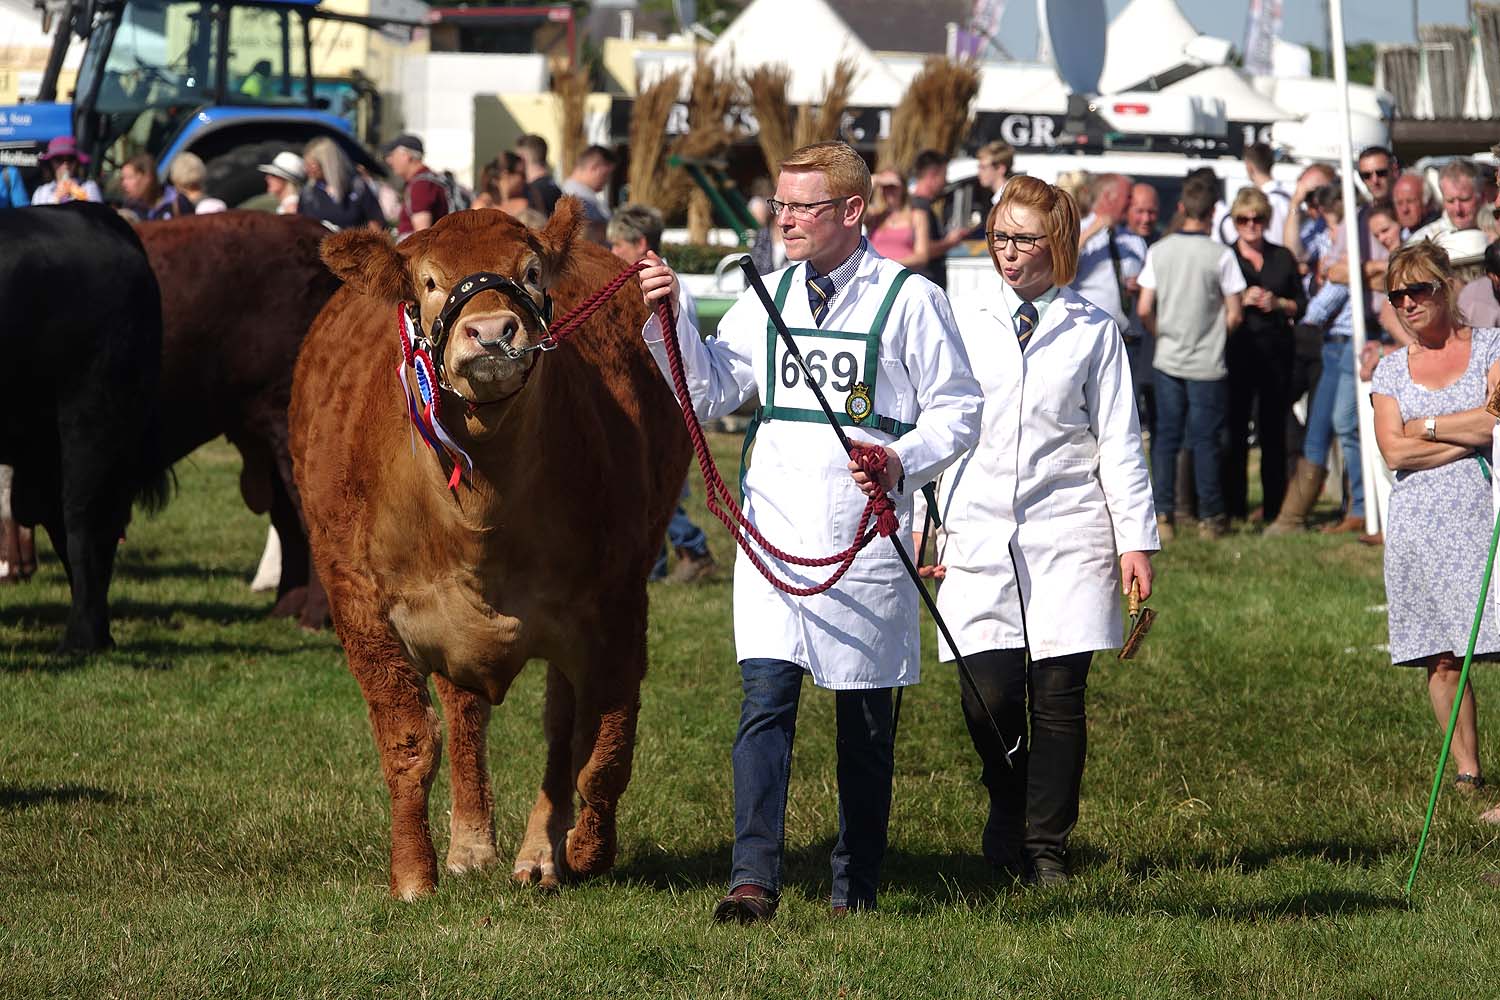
column 1334, row 410
column 763, row 768
column 1193, row 413
column 682, row 535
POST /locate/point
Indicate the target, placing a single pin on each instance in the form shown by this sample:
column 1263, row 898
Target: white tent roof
column 1146, row 37
column 1242, row 102
column 810, row 39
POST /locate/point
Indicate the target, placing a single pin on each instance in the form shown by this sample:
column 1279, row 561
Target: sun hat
column 286, row 165
column 1466, row 246
column 63, row 146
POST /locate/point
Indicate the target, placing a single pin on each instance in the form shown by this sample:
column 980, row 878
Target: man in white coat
column 883, row 344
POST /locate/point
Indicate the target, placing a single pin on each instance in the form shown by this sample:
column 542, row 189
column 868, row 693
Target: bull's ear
column 555, row 243
column 368, row 262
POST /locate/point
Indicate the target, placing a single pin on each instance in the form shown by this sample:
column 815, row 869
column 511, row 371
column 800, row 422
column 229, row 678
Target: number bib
column 843, row 365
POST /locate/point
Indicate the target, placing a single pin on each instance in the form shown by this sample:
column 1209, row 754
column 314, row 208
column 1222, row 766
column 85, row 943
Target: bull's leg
column 536, row 862
column 471, row 843
column 604, row 748
column 410, row 744
column 90, row 537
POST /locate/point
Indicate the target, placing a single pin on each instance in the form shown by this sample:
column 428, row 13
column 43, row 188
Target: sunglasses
column 1245, row 220
column 1382, row 173
column 1418, row 290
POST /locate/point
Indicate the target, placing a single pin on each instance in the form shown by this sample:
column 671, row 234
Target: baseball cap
column 405, row 140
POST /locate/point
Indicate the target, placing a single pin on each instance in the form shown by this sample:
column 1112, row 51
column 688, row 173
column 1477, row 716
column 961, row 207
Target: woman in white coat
column 1047, row 521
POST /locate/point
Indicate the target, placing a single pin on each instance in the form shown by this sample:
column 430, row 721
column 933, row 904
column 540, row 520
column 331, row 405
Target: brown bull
column 238, row 292
column 541, row 553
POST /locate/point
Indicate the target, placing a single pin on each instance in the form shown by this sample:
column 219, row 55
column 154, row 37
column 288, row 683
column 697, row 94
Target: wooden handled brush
column 1140, row 623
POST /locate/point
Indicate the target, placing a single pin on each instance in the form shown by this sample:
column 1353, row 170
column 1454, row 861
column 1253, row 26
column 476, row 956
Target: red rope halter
column 717, row 494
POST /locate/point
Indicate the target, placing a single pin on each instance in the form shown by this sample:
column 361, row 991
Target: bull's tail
column 158, row 479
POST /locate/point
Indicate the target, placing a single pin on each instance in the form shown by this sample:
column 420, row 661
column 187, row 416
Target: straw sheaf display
column 713, row 95
column 826, row 121
column 935, row 112
column 572, row 90
column 767, row 86
column 650, row 181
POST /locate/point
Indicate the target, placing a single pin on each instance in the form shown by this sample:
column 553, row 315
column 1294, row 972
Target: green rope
column 1458, row 700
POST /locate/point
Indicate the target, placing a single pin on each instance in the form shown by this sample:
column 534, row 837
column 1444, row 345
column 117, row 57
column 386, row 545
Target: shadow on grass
column 927, row 882
column 1252, row 859
column 214, row 612
column 13, row 799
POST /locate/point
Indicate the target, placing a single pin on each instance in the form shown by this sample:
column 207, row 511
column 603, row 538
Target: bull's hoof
column 412, row 889
column 470, row 856
column 539, row 875
column 290, row 604
column 586, row 852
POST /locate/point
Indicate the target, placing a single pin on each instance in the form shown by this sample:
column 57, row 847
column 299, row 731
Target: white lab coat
column 863, row 632
column 1037, row 514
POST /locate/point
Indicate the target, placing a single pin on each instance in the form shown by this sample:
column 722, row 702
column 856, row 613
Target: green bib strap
column 770, row 411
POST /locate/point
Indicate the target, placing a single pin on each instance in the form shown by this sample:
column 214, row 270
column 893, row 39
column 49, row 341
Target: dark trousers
column 1260, row 376
column 763, row 768
column 1033, row 805
column 1191, row 412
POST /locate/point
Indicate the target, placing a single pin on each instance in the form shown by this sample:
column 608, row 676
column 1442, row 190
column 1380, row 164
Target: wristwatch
column 1429, row 428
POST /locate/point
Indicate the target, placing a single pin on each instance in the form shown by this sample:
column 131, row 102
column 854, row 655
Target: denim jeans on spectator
column 763, row 768
column 1190, row 413
column 1334, row 410
column 682, row 535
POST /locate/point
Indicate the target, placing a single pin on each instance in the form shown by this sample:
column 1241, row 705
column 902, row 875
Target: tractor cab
column 150, row 66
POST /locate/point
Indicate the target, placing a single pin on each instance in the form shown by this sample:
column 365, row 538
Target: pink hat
column 63, row 146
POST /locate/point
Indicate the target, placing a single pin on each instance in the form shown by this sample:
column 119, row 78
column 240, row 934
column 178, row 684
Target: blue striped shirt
column 1331, row 309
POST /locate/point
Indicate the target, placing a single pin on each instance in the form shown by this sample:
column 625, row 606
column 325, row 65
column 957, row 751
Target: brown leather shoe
column 1348, row 525
column 745, row 904
column 1376, row 539
column 692, row 568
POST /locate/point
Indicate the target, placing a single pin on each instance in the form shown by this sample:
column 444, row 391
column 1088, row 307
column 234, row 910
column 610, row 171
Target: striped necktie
column 1026, row 318
column 819, row 295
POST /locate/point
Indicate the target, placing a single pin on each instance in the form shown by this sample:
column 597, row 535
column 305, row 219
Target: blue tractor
column 228, row 80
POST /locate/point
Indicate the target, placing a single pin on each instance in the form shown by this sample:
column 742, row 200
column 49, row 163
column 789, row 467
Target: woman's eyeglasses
column 1416, row 290
column 1245, row 220
column 1025, row 243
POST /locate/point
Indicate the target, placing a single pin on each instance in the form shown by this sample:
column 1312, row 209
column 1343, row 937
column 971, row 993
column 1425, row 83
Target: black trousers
column 1260, row 383
column 1034, row 805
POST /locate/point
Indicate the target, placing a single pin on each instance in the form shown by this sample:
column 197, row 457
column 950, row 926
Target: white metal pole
column 1371, row 463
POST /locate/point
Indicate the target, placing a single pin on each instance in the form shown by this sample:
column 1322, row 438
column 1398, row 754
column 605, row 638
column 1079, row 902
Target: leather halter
column 468, row 287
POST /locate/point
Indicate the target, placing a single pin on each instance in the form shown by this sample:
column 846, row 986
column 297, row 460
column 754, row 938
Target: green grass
column 201, row 812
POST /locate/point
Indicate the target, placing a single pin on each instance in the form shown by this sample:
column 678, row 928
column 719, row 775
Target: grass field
column 201, row 813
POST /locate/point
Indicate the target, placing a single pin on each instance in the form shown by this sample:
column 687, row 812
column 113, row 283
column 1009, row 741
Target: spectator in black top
column 929, row 176
column 541, row 190
column 334, row 194
column 1259, row 357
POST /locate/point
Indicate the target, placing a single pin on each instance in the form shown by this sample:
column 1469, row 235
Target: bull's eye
column 431, row 285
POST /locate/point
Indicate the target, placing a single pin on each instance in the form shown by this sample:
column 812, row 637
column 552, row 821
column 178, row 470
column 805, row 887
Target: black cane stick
column 753, row 277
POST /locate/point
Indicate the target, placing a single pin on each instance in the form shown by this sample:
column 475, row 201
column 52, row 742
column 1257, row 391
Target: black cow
column 81, row 334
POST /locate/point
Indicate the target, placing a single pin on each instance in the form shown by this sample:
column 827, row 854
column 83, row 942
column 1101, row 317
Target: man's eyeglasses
column 802, row 209
column 1416, row 290
column 1025, row 243
column 1245, row 220
column 1382, row 173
